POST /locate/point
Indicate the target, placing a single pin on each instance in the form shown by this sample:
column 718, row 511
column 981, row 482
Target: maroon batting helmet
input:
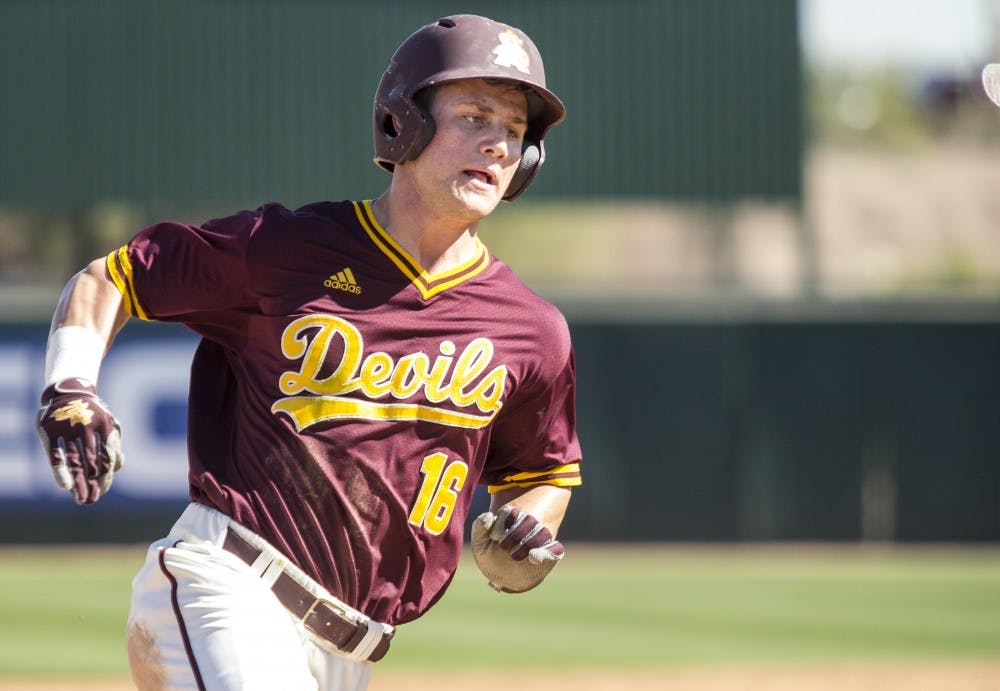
column 463, row 46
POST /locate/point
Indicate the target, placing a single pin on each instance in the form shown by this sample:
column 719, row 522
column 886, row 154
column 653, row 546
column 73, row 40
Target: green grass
column 642, row 606
column 62, row 611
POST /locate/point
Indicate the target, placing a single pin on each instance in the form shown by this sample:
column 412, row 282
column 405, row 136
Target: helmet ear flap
column 386, row 132
column 403, row 128
column 532, row 156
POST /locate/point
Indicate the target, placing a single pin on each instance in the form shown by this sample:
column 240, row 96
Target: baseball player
column 363, row 366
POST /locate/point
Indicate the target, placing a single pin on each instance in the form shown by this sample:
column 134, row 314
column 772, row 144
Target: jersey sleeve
column 534, row 440
column 172, row 271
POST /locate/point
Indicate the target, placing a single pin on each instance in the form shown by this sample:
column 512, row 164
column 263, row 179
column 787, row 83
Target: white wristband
column 73, row 351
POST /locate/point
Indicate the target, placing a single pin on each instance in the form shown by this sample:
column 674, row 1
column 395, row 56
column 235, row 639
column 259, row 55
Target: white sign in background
column 143, row 381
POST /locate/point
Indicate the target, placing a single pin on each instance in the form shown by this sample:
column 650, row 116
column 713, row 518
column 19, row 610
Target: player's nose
column 495, row 144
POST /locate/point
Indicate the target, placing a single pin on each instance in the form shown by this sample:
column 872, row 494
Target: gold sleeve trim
column 120, row 270
column 561, row 476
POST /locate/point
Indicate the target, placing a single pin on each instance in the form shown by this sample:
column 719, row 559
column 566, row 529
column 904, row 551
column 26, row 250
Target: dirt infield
column 984, row 676
column 868, row 678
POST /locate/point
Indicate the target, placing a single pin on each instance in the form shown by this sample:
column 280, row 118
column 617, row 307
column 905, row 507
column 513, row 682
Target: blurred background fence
column 782, row 274
column 232, row 102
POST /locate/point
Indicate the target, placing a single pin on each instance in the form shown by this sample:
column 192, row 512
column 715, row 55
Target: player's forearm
column 87, row 317
column 546, row 503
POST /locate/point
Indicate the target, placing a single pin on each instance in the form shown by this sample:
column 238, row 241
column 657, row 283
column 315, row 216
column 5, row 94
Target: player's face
column 470, row 161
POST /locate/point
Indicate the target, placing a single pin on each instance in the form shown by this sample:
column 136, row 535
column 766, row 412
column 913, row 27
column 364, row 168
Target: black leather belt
column 319, row 616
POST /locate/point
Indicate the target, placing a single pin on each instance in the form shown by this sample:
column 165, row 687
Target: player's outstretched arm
column 81, row 438
column 514, row 544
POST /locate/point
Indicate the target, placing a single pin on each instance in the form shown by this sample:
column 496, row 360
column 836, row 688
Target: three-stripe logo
column 343, row 280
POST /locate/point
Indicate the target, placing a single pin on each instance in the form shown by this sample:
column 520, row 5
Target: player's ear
column 393, row 125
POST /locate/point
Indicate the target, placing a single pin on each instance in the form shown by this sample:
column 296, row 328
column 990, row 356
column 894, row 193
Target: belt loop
column 373, row 636
column 271, row 573
column 261, row 564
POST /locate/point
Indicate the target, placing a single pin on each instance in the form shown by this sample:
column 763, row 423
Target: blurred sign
column 144, row 381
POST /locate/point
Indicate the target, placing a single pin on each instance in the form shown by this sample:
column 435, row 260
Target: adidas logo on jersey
column 343, row 280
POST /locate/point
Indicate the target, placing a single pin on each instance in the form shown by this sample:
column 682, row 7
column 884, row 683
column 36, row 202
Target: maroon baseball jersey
column 345, row 403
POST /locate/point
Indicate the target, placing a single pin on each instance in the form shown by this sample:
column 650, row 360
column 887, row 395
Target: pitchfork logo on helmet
column 510, row 52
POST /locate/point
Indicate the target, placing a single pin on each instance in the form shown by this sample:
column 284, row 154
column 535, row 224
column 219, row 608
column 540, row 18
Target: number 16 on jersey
column 438, row 493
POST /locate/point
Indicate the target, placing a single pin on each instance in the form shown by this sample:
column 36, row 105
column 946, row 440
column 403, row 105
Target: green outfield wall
column 220, row 104
column 808, row 430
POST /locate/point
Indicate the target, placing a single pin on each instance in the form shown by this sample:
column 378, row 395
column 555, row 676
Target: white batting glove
column 513, row 550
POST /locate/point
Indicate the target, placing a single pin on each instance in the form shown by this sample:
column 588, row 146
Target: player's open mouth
column 483, row 176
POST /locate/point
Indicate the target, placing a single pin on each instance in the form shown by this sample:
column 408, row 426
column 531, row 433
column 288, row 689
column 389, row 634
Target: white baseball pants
column 203, row 619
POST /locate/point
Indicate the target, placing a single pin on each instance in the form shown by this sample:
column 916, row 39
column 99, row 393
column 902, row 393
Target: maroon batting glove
column 81, row 438
column 523, row 535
